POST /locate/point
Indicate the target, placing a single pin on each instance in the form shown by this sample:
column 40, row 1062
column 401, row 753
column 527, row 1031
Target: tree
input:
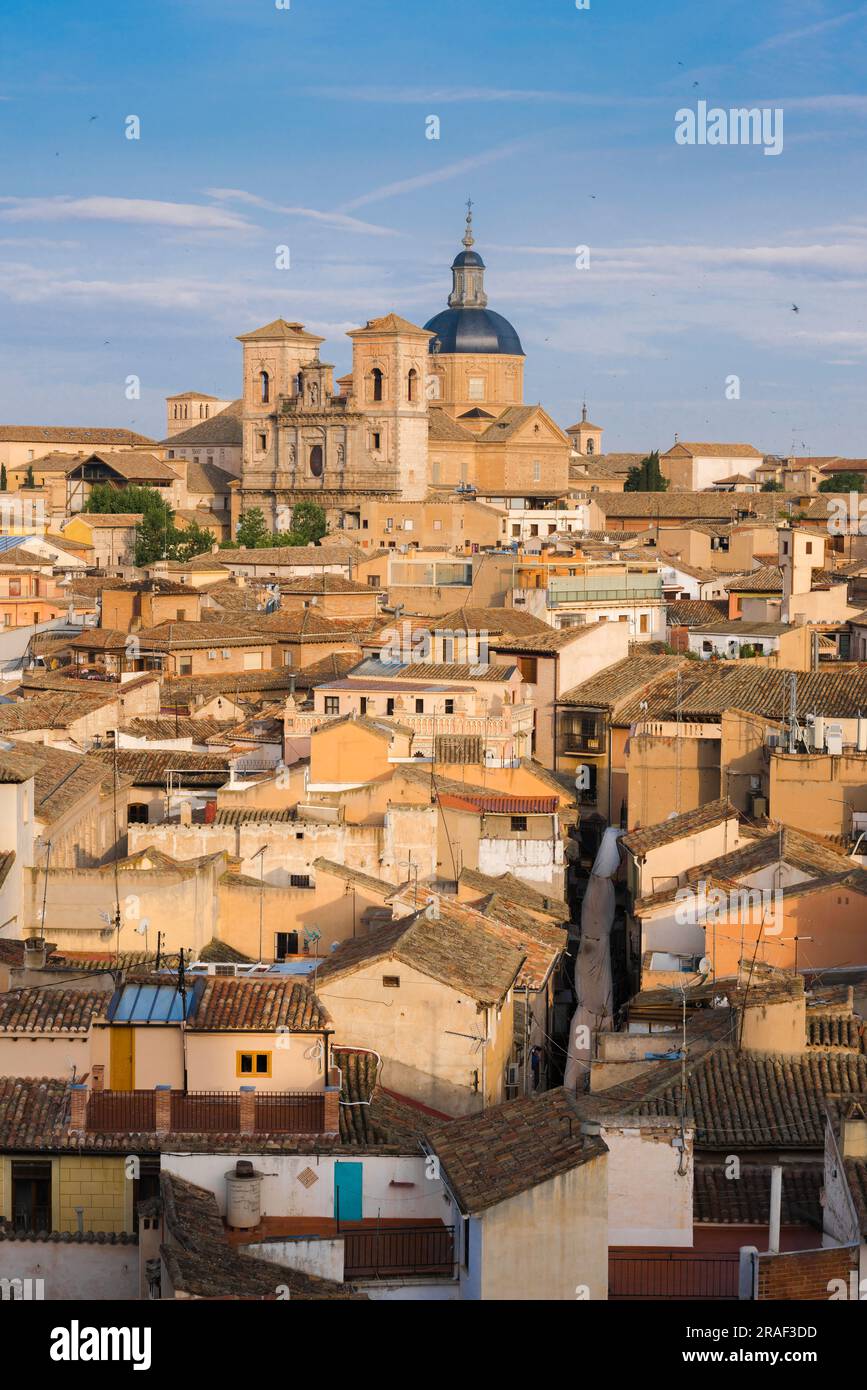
column 772, row 486
column 309, row 524
column 646, row 476
column 192, row 540
column 843, row 482
column 252, row 530
column 29, row 480
column 157, row 537
column 2, row 477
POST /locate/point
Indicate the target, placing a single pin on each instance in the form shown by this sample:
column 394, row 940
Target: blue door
column 347, row 1191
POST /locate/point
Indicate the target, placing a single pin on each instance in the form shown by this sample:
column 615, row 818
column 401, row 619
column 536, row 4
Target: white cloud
column 441, row 175
column 432, row 96
column 808, row 32
column 338, row 220
column 192, row 216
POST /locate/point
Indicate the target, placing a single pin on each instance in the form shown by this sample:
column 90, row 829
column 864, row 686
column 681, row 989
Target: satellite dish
column 705, row 965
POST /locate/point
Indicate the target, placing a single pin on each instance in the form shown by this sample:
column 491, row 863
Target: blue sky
column 306, row 127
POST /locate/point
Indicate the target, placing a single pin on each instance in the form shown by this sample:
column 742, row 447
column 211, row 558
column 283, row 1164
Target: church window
column 265, row 387
column 591, row 448
column 376, row 384
column 537, row 472
column 263, row 442
column 412, row 385
column 476, row 388
column 377, row 439
column 316, row 460
column 435, row 473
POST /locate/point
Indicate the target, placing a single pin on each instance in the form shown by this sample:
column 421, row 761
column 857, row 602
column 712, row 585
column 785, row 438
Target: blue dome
column 473, row 330
column 467, row 258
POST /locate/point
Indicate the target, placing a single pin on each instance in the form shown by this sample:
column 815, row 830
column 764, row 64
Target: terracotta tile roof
column 377, row 886
column 185, row 690
column 767, row 579
column 496, row 622
column 297, row 556
column 515, row 890
column 830, row 1030
column 489, row 1157
column 50, row 1010
column 107, row 521
column 173, row 728
column 147, row 767
column 68, row 434
column 613, row 685
column 544, row 643
column 324, row 584
column 443, row 429
column 640, row 841
column 697, row 506
column 480, row 798
column 257, row 1006
column 202, row 1264
column 743, row 627
column 454, row 671
column 61, row 780
column 739, row 451
column 718, row 1200
column 466, row 957
column 52, row 711
column 694, row 612
column 332, row 667
column 743, row 1099
column 135, row 466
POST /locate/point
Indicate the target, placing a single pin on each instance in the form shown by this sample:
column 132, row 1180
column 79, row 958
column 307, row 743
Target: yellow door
column 123, row 1059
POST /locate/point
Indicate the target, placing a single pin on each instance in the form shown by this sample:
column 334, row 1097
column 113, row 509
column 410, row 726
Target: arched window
column 412, row 385
column 265, row 387
column 316, row 460
column 591, row 448
column 376, row 379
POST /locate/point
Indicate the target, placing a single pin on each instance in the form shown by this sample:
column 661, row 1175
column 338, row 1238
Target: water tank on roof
column 834, row 739
column 243, row 1196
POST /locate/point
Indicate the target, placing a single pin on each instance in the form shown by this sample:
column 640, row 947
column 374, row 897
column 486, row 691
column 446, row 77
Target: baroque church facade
column 424, row 412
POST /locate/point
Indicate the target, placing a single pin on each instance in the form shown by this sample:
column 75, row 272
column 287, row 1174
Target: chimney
column 97, row 1073
column 163, row 1122
column 78, row 1109
column 853, row 1137
column 776, row 1208
column 248, row 1109
column 34, row 953
column 331, row 1118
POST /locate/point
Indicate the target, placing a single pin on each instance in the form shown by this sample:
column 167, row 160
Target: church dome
column 468, row 325
column 473, row 330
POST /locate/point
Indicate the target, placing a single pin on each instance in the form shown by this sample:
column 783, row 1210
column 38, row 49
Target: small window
column 450, row 706
column 373, row 581
column 809, row 547
column 519, row 823
column 377, row 439
column 376, row 384
column 332, row 704
column 253, row 1064
column 419, row 706
column 412, row 385
column 391, row 982
column 212, row 656
column 263, row 442
column 299, row 880
column 137, row 813
column 537, row 472
column 265, row 387
column 476, row 388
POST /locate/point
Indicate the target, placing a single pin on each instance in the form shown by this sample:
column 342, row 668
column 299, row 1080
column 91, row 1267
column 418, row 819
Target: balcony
column 207, row 1112
column 371, row 1249
column 581, row 737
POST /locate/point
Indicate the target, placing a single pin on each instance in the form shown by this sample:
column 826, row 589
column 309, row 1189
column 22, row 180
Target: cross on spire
column 468, row 238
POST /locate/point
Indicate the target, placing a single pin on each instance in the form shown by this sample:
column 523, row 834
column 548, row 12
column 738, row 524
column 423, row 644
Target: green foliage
column 252, row 530
column 747, row 650
column 772, row 486
column 157, row 536
column 646, row 476
column 29, row 480
column 308, row 526
column 843, row 482
column 2, row 477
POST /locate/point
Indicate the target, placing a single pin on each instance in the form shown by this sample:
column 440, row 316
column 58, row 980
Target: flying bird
column 795, row 309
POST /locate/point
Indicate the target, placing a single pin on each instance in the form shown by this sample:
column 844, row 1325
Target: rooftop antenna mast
column 793, row 710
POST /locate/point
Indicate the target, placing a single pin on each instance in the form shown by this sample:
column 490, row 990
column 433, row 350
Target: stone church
column 424, row 412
